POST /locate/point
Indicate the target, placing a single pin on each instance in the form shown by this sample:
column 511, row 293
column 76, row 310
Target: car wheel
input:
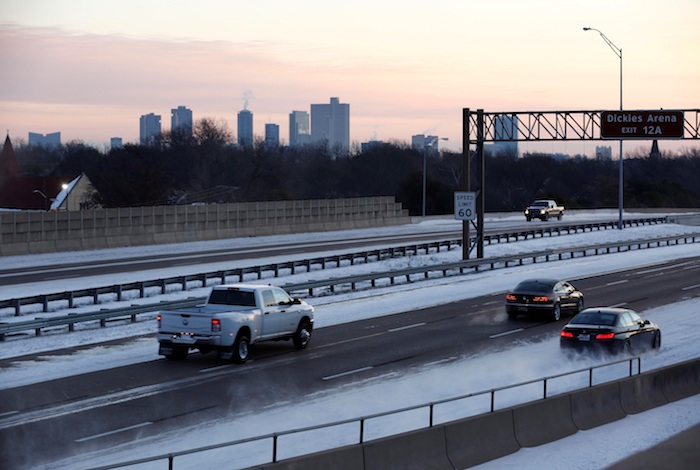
column 179, row 354
column 579, row 305
column 627, row 347
column 657, row 340
column 241, row 348
column 556, row 314
column 545, row 217
column 559, row 216
column 302, row 336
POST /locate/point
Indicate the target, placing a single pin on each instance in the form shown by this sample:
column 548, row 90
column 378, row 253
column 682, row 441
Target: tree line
column 206, row 167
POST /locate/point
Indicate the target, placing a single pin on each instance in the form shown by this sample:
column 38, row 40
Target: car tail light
column 511, row 297
column 542, row 298
column 215, row 325
column 605, row 336
column 159, row 319
column 566, row 334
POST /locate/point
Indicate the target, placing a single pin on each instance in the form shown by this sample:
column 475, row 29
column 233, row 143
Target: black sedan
column 545, row 297
column 611, row 329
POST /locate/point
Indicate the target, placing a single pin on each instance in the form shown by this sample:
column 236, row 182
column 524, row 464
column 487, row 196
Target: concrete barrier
column 642, row 392
column 343, row 458
column 24, row 232
column 543, row 421
column 595, row 406
column 476, row 440
column 680, row 380
column 424, row 449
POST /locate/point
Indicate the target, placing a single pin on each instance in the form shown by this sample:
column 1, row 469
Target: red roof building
column 25, row 192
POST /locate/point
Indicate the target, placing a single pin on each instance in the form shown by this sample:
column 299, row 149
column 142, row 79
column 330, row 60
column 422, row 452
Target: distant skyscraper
column 272, row 135
column 505, row 132
column 298, row 128
column 49, row 141
column 115, row 143
column 603, row 153
column 245, row 128
column 427, row 143
column 366, row 146
column 331, row 123
column 181, row 119
column 149, row 129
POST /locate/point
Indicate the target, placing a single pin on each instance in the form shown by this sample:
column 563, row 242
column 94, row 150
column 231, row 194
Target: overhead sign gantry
column 527, row 126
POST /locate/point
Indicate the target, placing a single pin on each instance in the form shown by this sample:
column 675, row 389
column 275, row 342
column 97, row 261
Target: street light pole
column 618, row 53
column 425, row 155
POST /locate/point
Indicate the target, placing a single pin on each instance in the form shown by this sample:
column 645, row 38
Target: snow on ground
column 454, row 377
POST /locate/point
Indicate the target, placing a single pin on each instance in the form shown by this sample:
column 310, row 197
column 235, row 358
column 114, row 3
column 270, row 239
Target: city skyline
column 89, row 70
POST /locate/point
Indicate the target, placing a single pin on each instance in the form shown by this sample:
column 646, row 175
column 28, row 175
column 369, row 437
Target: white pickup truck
column 234, row 317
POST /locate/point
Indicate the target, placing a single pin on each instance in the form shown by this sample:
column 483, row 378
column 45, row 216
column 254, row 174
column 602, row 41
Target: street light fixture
column 46, row 198
column 432, row 143
column 618, row 53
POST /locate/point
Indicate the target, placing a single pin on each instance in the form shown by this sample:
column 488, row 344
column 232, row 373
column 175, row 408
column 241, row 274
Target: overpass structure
column 479, row 127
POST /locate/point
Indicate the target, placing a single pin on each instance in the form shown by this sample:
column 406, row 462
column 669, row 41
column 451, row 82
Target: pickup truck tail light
column 215, row 325
column 159, row 318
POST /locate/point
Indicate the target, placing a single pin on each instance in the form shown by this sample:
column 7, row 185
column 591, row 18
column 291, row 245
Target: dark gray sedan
column 543, row 297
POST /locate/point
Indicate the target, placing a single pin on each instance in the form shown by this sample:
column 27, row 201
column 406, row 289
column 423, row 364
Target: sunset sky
column 90, row 68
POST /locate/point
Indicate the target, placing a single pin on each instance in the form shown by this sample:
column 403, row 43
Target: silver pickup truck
column 543, row 209
column 234, row 317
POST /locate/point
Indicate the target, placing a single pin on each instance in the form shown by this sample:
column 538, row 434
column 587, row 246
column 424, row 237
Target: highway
column 80, row 265
column 84, row 413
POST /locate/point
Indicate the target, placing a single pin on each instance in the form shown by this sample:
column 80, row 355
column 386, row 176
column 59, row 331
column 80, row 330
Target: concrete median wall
column 641, row 393
column 596, row 406
column 543, row 421
column 681, row 382
column 24, row 232
column 476, row 440
column 425, row 449
column 472, row 441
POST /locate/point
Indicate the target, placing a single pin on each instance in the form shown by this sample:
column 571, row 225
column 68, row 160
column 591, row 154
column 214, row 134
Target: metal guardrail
column 352, row 282
column 274, row 437
column 103, row 316
column 117, row 291
column 458, row 268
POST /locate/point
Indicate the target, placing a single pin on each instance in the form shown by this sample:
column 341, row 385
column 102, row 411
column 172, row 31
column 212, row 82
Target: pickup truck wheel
column 559, row 216
column 241, row 348
column 302, row 336
column 545, row 218
column 179, row 354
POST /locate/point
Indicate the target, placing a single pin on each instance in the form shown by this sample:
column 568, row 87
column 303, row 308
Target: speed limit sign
column 465, row 205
